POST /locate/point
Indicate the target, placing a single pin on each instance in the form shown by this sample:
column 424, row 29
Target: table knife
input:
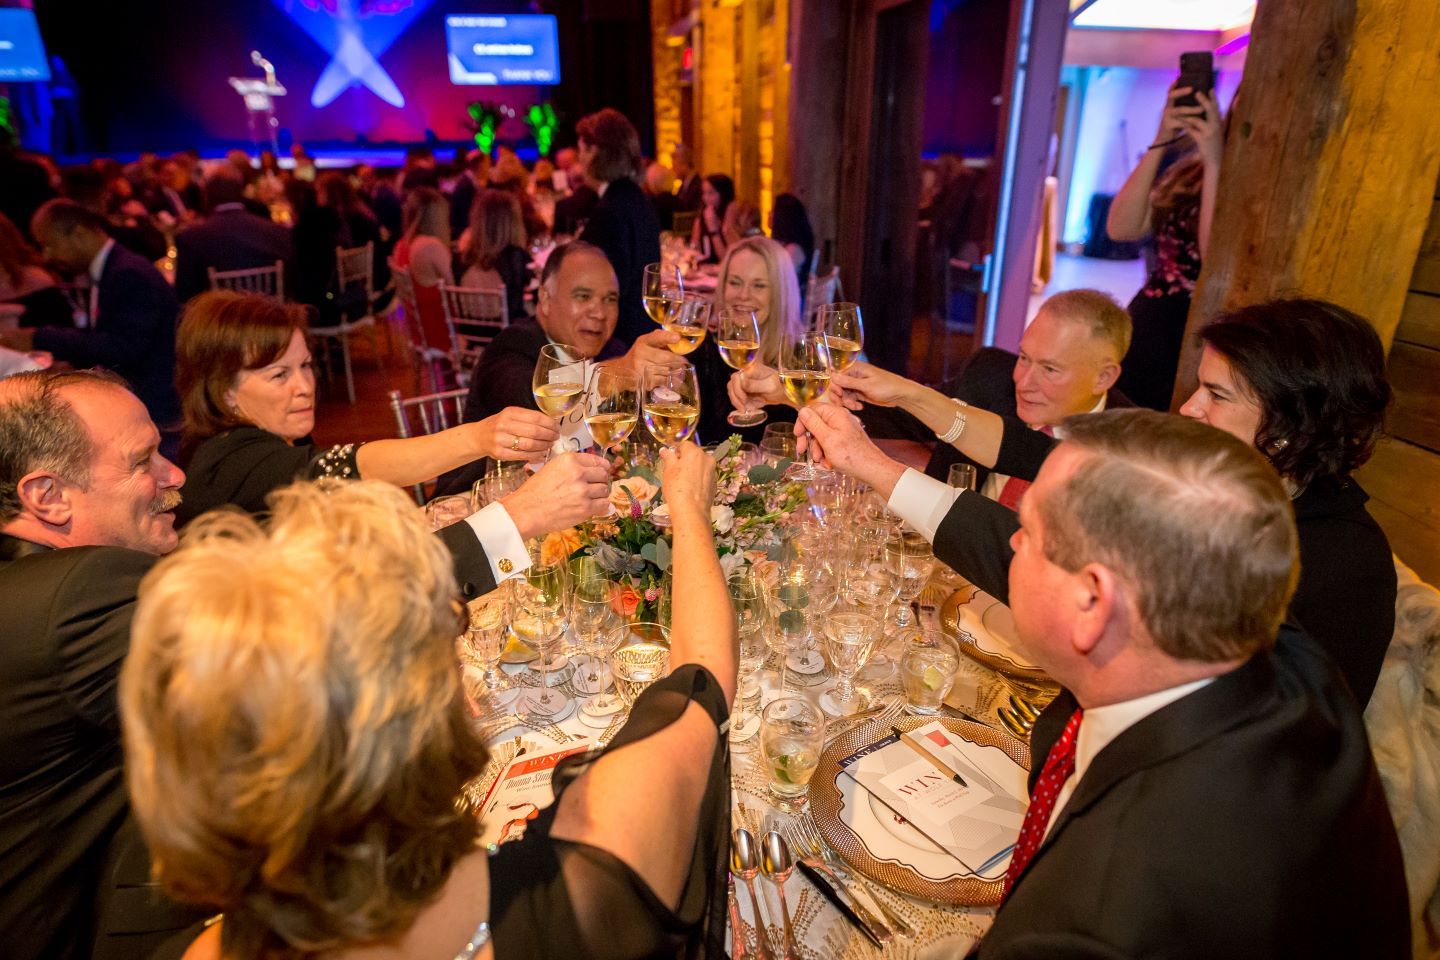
column 823, row 884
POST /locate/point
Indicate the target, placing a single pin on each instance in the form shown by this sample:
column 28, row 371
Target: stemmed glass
column 844, row 334
column 640, row 655
column 537, row 616
column 557, row 382
column 806, row 593
column 690, row 322
column 662, row 291
column 670, row 398
column 594, row 620
column 849, row 637
column 805, row 375
column 868, row 585
column 910, row 560
column 738, row 339
column 750, row 600
column 614, row 406
column 486, row 641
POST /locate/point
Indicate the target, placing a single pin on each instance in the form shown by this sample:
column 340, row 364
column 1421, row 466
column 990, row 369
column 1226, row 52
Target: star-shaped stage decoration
column 355, row 35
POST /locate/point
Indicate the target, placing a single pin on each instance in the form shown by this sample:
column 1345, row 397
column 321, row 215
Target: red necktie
column 1059, row 765
column 1015, row 488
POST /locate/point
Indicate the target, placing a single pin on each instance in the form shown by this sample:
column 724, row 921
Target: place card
column 518, row 795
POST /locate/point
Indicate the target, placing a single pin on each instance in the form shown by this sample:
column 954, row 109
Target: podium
column 259, row 94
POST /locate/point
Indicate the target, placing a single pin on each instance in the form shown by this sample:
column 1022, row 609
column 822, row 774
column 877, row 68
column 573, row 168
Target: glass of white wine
column 792, row 734
column 738, row 338
column 670, row 402
column 614, row 407
column 538, row 617
column 843, row 331
column 805, row 375
column 690, row 322
column 662, row 291
column 557, row 382
column 640, row 655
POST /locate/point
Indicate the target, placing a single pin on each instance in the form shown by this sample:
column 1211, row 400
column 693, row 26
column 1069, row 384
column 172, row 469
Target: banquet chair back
column 474, row 315
column 432, row 412
column 355, row 286
column 429, row 358
column 266, row 281
column 1403, row 721
column 822, row 288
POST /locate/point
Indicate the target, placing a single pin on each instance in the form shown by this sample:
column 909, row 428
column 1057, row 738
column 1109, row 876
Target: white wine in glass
column 557, row 383
column 558, row 398
column 843, row 331
column 671, row 403
column 805, row 375
column 662, row 292
column 738, row 339
column 616, row 407
column 690, row 322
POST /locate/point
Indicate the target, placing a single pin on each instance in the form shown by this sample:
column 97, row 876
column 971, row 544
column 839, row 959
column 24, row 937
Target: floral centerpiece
column 632, row 546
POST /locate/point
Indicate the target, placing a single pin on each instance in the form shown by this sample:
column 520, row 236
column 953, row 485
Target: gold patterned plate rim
column 950, row 626
column 826, row 801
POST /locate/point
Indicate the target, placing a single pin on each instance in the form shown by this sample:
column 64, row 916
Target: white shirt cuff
column 922, row 501
column 504, row 547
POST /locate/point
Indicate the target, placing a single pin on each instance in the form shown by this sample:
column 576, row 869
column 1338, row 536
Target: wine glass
column 849, row 637
column 868, row 585
column 662, row 291
column 640, row 655
column 792, row 734
column 805, row 594
column 805, row 375
column 750, row 599
column 443, row 511
column 486, row 641
column 690, row 322
column 614, row 406
column 738, row 339
column 557, row 382
column 910, row 560
column 670, row 398
column 537, row 616
column 594, row 619
column 844, row 334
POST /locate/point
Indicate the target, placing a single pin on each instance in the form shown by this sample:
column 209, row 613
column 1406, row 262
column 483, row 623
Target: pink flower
column 631, row 494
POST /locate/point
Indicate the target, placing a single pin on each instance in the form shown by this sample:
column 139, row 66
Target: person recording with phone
column 1177, row 206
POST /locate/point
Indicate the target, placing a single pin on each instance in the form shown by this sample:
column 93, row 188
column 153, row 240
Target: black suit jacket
column 624, row 225
column 573, row 211
column 1244, row 820
column 133, row 333
column 462, row 198
column 230, row 240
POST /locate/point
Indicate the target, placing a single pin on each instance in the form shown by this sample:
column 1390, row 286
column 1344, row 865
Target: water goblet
column 849, row 637
column 750, row 600
column 910, row 560
column 486, row 641
column 538, row 618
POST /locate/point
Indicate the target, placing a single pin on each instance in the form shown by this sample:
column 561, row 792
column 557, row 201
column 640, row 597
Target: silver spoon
column 776, row 863
column 745, row 864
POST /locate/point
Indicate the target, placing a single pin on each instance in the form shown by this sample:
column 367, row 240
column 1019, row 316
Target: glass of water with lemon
column 792, row 734
column 927, row 668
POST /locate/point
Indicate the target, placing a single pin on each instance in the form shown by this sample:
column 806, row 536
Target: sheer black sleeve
column 559, row 899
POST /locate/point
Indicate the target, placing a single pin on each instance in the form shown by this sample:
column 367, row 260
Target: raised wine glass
column 670, row 401
column 738, row 338
column 690, row 323
column 557, row 383
column 805, row 375
column 614, row 407
column 662, row 291
column 844, row 333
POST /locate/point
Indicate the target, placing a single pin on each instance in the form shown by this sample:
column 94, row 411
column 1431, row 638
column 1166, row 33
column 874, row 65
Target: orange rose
column 624, row 599
column 631, row 490
column 558, row 546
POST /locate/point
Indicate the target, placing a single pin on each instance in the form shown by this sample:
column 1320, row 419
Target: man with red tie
column 1203, row 786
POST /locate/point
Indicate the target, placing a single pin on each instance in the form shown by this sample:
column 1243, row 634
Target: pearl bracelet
column 957, row 426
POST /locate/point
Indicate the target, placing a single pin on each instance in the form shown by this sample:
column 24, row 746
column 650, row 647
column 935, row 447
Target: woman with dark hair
column 1304, row 381
column 790, row 226
column 247, row 388
column 26, row 284
column 1176, row 206
column 493, row 248
column 424, row 250
column 337, row 218
column 708, row 235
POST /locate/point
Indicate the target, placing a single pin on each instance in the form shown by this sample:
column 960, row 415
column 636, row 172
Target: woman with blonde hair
column 494, row 248
column 424, row 250
column 296, row 738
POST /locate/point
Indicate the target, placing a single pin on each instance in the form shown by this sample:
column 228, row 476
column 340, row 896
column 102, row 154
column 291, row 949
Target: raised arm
column 660, row 781
column 1129, row 217
column 512, row 434
column 983, row 433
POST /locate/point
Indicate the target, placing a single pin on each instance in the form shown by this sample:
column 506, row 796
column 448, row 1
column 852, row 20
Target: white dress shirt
column 96, row 271
column 504, row 547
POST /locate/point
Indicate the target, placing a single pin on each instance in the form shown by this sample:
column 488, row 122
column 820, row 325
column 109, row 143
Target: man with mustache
column 86, row 508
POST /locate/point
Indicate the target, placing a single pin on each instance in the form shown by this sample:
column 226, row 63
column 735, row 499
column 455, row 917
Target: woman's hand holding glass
column 514, row 434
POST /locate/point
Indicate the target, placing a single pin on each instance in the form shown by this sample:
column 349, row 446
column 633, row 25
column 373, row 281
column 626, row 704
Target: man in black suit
column 230, row 238
column 86, row 506
column 132, row 309
column 623, row 223
column 1203, row 785
column 474, row 178
column 1068, row 363
column 576, row 305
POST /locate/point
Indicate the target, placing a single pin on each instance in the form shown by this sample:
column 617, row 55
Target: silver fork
column 805, row 853
column 812, row 841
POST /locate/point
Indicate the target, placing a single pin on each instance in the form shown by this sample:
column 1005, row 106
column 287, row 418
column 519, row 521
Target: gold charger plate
column 826, row 801
column 950, row 626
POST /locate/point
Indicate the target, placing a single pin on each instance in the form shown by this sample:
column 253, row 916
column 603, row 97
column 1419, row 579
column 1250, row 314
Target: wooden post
column 1333, row 152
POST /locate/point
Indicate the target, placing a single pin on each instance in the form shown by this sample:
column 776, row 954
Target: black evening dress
column 1159, row 310
column 241, row 467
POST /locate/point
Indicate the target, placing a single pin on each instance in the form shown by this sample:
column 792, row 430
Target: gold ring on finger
column 515, row 444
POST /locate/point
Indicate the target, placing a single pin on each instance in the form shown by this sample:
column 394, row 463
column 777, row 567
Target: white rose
column 730, row 563
column 722, row 518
